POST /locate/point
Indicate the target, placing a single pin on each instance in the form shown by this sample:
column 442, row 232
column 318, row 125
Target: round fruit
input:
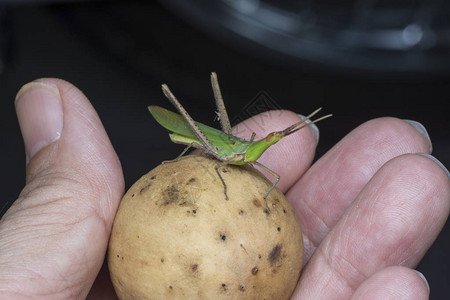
column 176, row 236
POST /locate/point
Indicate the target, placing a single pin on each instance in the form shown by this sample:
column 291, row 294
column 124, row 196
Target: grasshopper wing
column 175, row 123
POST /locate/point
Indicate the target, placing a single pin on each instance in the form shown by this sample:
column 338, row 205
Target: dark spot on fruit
column 275, row 253
column 145, row 188
column 223, row 237
column 259, row 256
column 241, row 212
column 224, row 287
column 256, row 203
column 172, row 194
column 242, row 288
column 170, row 287
column 162, row 259
column 267, row 212
column 224, row 170
column 278, row 228
column 194, row 211
column 194, row 267
column 284, row 210
column 255, row 270
column 243, row 248
column 153, row 177
column 137, row 236
column 118, row 255
column 191, row 180
column 132, row 196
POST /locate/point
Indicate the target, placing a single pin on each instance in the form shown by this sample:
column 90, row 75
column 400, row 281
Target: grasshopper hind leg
column 273, row 185
column 216, row 167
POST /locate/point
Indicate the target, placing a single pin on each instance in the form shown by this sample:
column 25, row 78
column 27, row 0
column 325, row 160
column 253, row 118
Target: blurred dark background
column 358, row 59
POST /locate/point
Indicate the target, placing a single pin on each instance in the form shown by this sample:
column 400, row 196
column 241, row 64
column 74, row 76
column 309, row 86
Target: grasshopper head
column 258, row 147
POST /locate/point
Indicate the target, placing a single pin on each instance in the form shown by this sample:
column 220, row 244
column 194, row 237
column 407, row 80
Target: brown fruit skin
column 175, row 236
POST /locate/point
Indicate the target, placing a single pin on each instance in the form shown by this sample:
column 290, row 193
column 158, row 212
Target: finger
column 54, row 237
column 393, row 221
column 291, row 156
column 332, row 183
column 393, row 283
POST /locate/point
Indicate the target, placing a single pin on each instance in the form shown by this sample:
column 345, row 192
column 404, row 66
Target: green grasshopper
column 222, row 145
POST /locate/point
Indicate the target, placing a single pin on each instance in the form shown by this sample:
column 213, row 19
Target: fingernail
column 421, row 129
column 437, row 162
column 40, row 114
column 314, row 128
column 424, row 279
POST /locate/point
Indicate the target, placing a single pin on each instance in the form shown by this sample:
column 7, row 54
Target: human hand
column 54, row 237
column 369, row 209
column 368, row 212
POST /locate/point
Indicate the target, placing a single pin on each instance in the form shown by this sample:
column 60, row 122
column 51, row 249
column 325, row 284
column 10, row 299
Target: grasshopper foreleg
column 179, row 156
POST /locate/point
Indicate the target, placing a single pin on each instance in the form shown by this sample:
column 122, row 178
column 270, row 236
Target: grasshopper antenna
column 304, row 123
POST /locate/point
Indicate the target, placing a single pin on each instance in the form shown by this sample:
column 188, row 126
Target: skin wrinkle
column 62, row 293
column 336, row 257
column 338, row 269
column 306, row 208
column 308, row 249
column 106, row 208
column 53, row 203
column 31, row 230
column 328, row 280
column 17, row 287
column 47, row 176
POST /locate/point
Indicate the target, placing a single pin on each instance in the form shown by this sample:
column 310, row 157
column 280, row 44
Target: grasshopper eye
column 272, row 136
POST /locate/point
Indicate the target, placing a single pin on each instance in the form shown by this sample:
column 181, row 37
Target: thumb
column 54, row 237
